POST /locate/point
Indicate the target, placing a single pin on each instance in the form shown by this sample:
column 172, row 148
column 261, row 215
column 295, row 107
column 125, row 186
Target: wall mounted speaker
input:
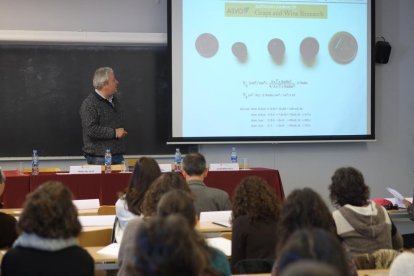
column 382, row 52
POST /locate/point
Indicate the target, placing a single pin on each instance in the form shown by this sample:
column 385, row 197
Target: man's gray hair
column 101, row 76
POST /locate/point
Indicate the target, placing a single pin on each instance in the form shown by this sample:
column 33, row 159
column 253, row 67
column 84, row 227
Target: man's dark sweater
column 99, row 120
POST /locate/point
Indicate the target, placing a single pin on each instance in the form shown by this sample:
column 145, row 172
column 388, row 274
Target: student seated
column 310, row 268
column 303, row 209
column 8, row 232
column 206, row 199
column 129, row 205
column 363, row 225
column 181, row 202
column 48, row 244
column 166, row 246
column 255, row 217
column 163, row 184
column 312, row 245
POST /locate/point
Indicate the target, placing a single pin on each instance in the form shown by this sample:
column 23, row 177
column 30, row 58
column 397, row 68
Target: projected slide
column 270, row 68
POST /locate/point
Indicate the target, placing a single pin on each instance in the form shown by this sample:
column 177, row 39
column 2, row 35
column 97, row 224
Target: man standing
column 206, row 199
column 102, row 120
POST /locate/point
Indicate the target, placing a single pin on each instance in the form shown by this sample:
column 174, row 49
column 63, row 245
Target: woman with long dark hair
column 129, row 205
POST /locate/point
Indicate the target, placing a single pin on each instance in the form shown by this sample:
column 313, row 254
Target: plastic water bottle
column 177, row 160
column 233, row 157
column 35, row 163
column 108, row 161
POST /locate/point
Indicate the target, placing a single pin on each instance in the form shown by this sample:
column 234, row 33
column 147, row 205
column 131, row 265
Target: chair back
column 106, row 210
column 226, row 235
column 249, row 266
column 380, row 259
column 96, row 237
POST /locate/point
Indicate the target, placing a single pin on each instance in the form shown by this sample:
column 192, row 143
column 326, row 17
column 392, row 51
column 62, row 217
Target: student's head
column 104, row 80
column 254, row 198
column 313, row 245
column 178, row 202
column 303, row 208
column 163, row 184
column 194, row 164
column 348, row 187
column 146, row 170
column 49, row 212
column 167, row 246
column 403, row 265
column 2, row 181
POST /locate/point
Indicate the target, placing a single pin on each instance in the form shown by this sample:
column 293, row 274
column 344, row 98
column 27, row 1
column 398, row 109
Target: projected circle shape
column 239, row 50
column 207, row 45
column 309, row 48
column 343, row 47
column 276, row 48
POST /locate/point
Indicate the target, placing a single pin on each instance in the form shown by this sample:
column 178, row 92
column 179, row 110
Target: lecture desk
column 107, row 187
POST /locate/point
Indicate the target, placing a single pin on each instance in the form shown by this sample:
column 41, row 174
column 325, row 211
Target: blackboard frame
column 42, row 87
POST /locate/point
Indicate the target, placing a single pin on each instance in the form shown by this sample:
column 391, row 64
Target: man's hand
column 120, row 133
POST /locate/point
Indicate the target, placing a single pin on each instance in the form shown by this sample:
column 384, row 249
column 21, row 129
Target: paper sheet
column 222, row 244
column 83, row 204
column 396, row 194
column 111, row 250
column 97, row 220
column 217, row 216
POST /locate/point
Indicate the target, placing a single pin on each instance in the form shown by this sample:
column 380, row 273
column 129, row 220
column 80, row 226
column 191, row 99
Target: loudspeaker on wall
column 382, row 52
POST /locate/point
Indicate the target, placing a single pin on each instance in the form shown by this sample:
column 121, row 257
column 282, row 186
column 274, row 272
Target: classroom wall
column 387, row 162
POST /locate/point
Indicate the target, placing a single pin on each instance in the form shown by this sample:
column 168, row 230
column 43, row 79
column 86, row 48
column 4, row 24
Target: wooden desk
column 107, row 186
column 16, row 212
column 102, row 262
column 209, row 227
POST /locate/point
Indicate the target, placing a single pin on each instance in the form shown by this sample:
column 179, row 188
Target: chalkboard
column 43, row 86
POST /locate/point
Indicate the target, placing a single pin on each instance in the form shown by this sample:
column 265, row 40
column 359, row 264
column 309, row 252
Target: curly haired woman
column 255, row 217
column 363, row 225
column 48, row 244
column 303, row 208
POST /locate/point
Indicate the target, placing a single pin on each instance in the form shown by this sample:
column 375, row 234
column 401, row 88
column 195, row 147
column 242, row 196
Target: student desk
column 402, row 221
column 106, row 187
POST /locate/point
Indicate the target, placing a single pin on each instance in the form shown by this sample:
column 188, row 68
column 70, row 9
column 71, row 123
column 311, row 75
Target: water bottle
column 233, row 157
column 108, row 161
column 35, row 163
column 177, row 160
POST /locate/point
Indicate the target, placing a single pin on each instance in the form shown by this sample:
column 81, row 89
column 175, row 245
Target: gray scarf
column 36, row 242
